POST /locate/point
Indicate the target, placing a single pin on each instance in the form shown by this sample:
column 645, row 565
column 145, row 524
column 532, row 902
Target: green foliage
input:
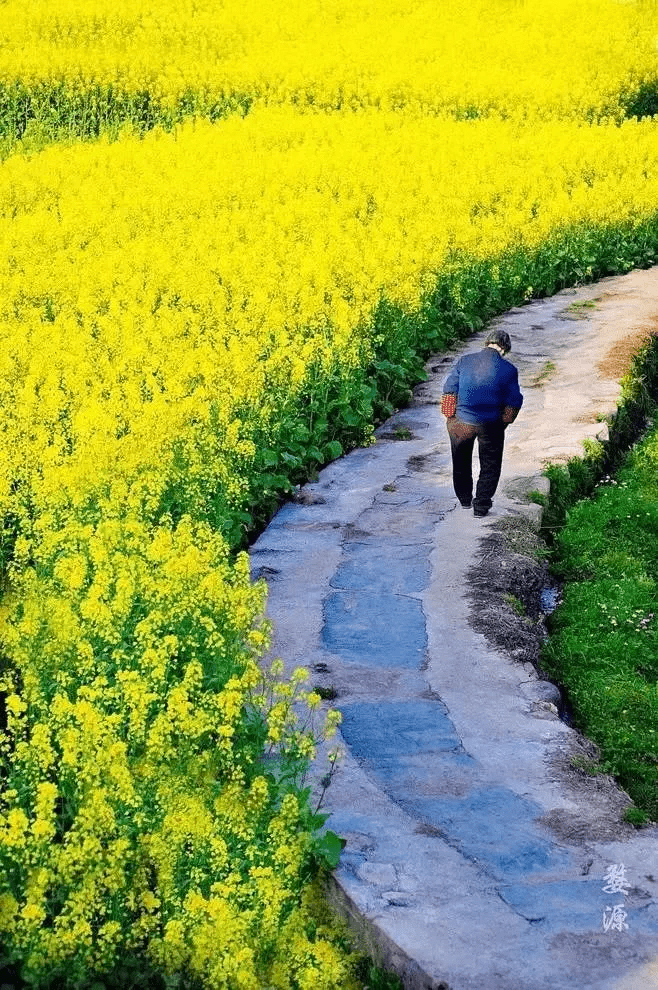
column 328, row 849
column 375, row 978
column 326, row 693
column 635, row 816
column 642, row 102
column 604, row 636
column 52, row 111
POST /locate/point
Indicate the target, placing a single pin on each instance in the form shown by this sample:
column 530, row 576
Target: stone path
column 476, row 855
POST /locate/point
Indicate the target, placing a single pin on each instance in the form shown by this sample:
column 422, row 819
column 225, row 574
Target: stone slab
column 394, row 569
column 386, row 629
column 397, row 729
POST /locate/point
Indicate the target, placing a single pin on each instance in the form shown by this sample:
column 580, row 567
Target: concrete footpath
column 478, row 857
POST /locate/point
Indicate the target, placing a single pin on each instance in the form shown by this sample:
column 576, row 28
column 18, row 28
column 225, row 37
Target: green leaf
column 350, row 418
column 275, row 482
column 330, row 847
column 332, row 450
column 269, row 458
column 301, row 432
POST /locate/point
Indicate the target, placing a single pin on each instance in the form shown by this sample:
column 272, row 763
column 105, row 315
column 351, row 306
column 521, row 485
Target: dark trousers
column 491, row 439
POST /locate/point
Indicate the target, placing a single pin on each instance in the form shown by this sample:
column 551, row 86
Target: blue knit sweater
column 484, row 384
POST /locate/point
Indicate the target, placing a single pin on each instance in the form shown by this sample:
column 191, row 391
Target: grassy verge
column 603, row 646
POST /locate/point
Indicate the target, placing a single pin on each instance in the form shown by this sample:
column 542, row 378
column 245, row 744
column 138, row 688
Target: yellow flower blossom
column 8, row 910
column 173, row 322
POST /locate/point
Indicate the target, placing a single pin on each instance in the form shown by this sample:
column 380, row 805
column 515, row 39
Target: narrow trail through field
column 476, row 854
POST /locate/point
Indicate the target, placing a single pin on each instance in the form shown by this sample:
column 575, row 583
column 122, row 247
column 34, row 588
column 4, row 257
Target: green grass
column 515, row 604
column 579, row 309
column 543, row 375
column 604, row 636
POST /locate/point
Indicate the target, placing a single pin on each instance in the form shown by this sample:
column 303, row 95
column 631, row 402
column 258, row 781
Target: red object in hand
column 449, row 404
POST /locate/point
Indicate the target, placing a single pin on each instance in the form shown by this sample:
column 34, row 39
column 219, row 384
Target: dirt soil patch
column 505, row 586
column 619, row 358
column 600, row 801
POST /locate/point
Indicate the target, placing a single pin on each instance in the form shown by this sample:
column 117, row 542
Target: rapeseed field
column 229, row 234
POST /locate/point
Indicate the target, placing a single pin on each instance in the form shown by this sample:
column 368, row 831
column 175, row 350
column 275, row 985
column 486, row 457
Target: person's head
column 499, row 339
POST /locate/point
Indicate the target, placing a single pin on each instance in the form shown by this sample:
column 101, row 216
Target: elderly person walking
column 481, row 397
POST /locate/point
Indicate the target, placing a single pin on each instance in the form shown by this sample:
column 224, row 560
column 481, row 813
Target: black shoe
column 480, row 512
column 466, row 505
